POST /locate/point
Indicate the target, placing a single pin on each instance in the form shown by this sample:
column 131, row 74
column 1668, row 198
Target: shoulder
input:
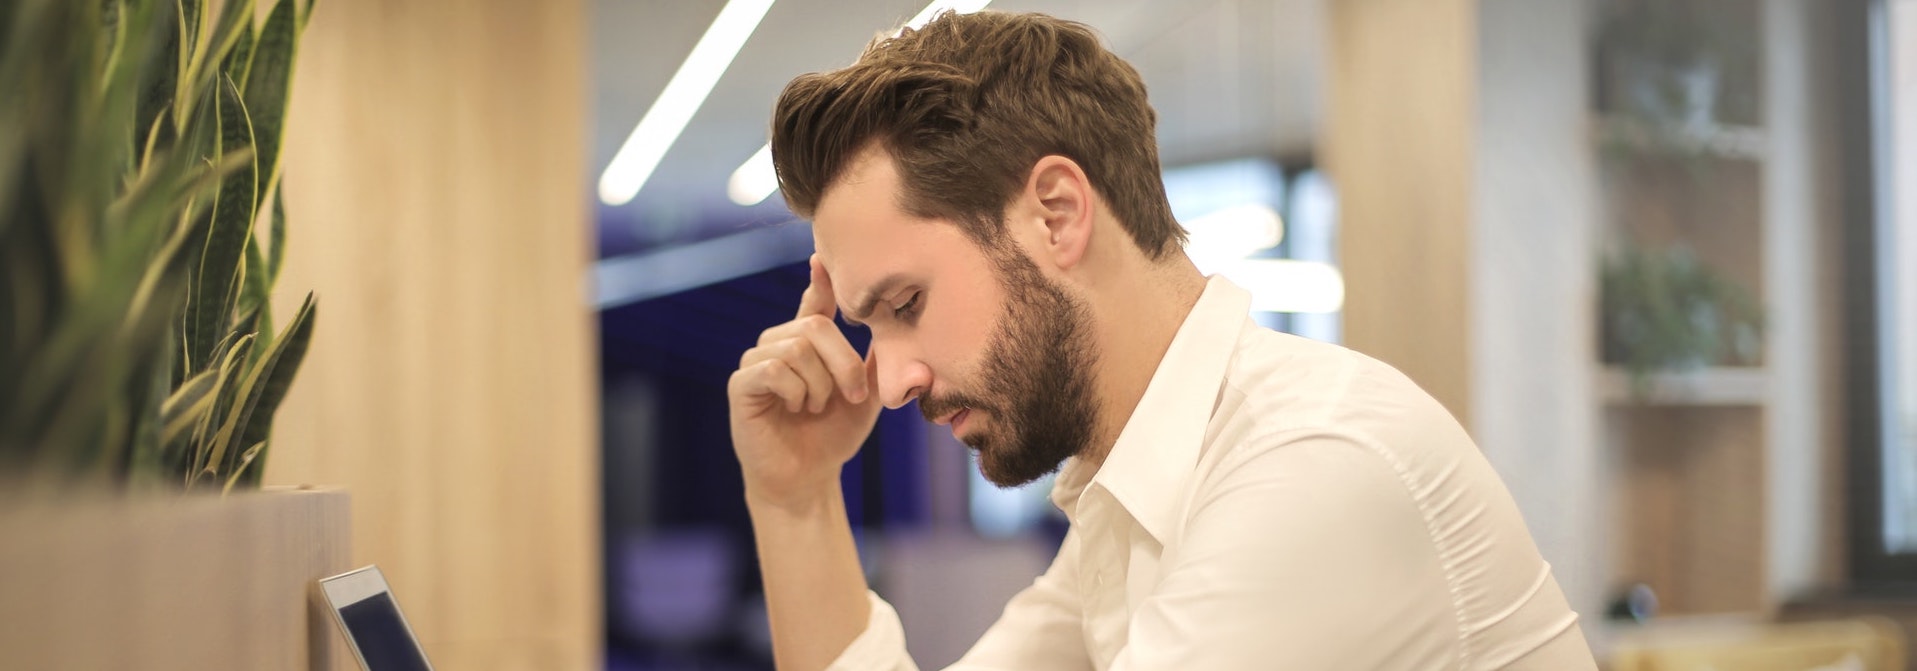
column 1292, row 409
column 1280, row 388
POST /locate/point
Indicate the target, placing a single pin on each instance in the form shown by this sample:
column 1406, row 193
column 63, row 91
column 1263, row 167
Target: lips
column 958, row 420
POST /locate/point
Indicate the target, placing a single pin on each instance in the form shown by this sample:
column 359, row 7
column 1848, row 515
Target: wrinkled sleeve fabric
column 1038, row 630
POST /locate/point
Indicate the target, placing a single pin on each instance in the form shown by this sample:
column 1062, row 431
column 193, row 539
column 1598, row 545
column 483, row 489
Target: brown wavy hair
column 966, row 106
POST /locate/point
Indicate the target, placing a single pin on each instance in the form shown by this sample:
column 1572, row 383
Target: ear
column 1064, row 200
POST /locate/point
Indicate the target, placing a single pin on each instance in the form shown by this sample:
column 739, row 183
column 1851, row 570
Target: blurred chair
column 1861, row 644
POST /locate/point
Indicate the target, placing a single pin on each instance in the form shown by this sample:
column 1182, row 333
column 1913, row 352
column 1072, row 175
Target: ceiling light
column 755, row 181
column 939, row 6
column 682, row 97
column 1278, row 285
column 1225, row 236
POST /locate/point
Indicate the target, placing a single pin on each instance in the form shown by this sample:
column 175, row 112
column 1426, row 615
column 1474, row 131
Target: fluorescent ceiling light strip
column 937, row 6
column 1231, row 234
column 683, row 95
column 1283, row 285
column 755, row 180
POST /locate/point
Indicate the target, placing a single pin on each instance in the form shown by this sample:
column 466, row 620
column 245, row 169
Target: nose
column 902, row 376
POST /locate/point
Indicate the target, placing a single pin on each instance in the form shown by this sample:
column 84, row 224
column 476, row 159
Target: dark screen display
column 381, row 635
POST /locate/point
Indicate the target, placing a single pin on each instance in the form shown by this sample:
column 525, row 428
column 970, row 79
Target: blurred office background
column 1658, row 255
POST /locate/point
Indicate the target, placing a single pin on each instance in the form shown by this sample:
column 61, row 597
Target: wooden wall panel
column 437, row 200
column 1399, row 146
column 1688, row 486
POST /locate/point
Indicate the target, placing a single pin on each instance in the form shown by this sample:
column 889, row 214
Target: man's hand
column 802, row 401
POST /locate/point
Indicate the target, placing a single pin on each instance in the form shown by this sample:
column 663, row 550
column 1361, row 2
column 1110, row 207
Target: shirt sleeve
column 1041, row 626
column 881, row 647
column 1038, row 630
column 1312, row 554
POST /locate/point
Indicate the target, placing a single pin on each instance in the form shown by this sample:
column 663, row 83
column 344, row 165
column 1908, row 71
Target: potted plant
column 141, row 233
column 1663, row 62
column 139, row 348
column 1665, row 311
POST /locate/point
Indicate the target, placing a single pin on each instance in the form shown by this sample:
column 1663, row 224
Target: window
column 1880, row 139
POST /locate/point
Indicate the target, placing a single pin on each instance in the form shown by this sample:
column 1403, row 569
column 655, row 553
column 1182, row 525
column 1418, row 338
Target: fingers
column 798, row 356
column 770, row 378
column 804, row 362
column 818, row 298
column 842, row 363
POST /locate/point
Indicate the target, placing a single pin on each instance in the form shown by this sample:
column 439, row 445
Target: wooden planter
column 188, row 583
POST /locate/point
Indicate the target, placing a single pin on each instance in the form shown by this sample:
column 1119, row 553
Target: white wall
column 1533, row 282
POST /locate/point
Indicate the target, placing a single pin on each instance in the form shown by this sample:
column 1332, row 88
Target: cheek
column 955, row 340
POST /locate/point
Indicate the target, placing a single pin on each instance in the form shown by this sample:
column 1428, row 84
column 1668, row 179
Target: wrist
column 795, row 503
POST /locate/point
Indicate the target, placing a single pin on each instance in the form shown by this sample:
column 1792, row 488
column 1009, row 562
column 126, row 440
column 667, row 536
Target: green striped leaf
column 184, row 408
column 241, row 57
column 269, row 82
column 277, row 253
column 276, row 371
column 216, row 285
column 246, row 461
column 202, row 71
column 231, row 374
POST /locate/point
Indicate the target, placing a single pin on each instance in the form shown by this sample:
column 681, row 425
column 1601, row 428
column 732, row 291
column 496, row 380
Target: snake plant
column 139, row 147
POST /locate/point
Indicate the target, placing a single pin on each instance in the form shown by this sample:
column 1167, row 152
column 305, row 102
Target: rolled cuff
column 881, row 647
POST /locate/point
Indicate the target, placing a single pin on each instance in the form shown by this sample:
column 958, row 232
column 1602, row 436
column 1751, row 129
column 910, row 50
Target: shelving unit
column 1727, row 141
column 1711, row 474
column 1687, row 458
column 1723, row 386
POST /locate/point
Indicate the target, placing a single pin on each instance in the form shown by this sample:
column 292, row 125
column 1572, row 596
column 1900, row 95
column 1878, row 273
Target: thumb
column 872, row 375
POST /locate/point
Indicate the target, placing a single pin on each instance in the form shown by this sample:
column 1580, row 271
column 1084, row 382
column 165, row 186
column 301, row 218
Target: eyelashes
column 907, row 311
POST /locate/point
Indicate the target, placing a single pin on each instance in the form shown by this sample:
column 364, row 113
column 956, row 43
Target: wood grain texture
column 1399, row 145
column 1689, row 491
column 173, row 583
column 437, row 202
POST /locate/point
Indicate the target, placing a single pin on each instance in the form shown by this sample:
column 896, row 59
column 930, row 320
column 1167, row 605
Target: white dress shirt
column 1276, row 503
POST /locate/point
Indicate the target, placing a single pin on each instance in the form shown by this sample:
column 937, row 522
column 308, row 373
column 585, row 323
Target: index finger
column 818, row 298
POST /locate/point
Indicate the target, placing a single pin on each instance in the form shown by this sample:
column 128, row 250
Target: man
column 986, row 200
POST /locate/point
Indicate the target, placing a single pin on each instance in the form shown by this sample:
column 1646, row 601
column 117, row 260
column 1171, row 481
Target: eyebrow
column 863, row 308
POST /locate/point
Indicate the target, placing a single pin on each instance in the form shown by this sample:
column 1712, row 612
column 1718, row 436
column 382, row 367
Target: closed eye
column 906, row 311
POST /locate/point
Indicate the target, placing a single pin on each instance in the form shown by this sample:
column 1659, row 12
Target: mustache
column 936, row 407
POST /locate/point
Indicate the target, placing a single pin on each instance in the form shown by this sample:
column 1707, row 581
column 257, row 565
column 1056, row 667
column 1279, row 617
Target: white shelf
column 1707, row 387
column 1723, row 140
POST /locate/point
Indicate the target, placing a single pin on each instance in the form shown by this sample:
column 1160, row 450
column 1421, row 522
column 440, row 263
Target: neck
column 1138, row 310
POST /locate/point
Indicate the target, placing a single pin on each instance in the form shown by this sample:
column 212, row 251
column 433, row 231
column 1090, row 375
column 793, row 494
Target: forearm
column 814, row 588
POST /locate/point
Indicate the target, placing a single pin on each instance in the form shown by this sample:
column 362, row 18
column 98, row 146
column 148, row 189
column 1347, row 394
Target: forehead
column 862, row 234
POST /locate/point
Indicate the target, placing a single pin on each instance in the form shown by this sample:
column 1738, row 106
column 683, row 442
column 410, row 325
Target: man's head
column 956, row 175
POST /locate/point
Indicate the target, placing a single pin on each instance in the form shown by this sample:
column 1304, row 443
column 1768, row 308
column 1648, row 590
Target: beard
column 1038, row 372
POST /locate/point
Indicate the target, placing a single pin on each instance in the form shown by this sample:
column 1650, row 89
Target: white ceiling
column 1229, row 78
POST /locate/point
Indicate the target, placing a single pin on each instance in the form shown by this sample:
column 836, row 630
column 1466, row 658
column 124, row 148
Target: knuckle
column 817, row 324
column 802, row 347
column 791, row 349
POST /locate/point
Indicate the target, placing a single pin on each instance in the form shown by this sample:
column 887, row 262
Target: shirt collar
column 1157, row 450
